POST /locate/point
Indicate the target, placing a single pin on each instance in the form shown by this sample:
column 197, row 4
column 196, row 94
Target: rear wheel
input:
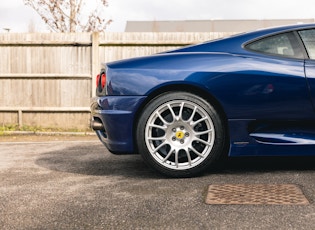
column 180, row 134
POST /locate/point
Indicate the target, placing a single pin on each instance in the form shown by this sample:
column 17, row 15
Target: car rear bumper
column 112, row 118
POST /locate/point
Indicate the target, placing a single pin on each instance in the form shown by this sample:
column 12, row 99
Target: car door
column 293, row 133
column 281, row 72
column 308, row 38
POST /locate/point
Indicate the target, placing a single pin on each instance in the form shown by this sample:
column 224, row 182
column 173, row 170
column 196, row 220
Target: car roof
column 234, row 43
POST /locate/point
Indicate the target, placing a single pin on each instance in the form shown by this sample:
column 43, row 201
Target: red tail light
column 97, row 80
column 101, row 79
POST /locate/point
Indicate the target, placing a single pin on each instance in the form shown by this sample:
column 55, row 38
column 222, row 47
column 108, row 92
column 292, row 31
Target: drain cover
column 255, row 194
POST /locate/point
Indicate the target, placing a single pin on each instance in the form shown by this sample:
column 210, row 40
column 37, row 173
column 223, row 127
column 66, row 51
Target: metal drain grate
column 255, row 194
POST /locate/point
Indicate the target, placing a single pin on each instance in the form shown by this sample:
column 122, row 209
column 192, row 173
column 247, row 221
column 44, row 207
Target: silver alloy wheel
column 179, row 134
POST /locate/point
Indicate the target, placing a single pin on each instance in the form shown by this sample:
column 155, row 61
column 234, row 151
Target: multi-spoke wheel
column 180, row 134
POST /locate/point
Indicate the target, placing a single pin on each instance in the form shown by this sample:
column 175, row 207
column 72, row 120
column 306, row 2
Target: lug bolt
column 182, row 127
column 186, row 134
column 181, row 141
column 173, row 138
column 174, row 130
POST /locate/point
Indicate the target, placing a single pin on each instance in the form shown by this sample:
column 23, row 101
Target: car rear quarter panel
column 247, row 87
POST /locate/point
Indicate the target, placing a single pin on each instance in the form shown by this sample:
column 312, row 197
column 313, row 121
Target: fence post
column 95, row 60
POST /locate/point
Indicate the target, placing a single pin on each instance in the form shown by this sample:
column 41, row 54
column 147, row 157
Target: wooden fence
column 47, row 79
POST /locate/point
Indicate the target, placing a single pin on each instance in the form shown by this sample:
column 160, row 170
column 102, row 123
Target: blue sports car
column 251, row 94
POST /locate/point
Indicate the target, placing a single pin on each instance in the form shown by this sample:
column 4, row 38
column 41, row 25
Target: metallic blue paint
column 117, row 113
column 268, row 100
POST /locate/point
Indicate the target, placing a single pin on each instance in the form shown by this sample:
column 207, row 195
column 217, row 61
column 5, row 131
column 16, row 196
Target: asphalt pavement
column 75, row 183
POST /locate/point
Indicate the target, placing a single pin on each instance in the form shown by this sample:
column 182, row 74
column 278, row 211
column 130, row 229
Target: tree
column 71, row 15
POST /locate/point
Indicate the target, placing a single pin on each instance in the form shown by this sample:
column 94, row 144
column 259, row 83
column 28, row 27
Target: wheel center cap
column 180, row 135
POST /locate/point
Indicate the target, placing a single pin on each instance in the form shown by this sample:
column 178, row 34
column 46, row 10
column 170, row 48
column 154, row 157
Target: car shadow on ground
column 94, row 160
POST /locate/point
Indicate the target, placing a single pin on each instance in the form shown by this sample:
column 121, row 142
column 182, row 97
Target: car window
column 308, row 37
column 281, row 44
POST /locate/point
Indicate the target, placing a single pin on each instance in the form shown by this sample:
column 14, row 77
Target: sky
column 17, row 17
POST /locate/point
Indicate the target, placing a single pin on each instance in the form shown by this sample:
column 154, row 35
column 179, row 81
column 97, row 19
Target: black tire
column 180, row 134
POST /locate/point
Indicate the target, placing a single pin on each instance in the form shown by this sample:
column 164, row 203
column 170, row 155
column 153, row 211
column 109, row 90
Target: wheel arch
column 199, row 91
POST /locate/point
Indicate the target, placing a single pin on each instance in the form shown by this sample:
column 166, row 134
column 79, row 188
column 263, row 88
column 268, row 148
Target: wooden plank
column 41, row 76
column 45, row 39
column 95, row 61
column 45, row 109
column 162, row 38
